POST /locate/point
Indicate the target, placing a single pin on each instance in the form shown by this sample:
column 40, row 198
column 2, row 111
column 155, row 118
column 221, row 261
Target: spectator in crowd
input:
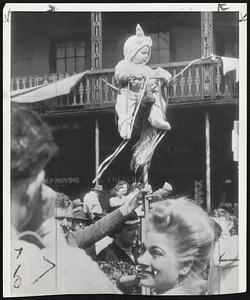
column 67, row 205
column 42, row 262
column 224, row 266
column 118, row 193
column 64, row 205
column 122, row 249
column 177, row 248
column 66, row 222
column 91, row 201
column 124, row 236
column 89, row 235
column 79, row 220
column 77, row 203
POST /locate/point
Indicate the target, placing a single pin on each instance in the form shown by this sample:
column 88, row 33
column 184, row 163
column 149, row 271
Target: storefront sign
column 199, row 192
column 115, row 179
column 63, row 180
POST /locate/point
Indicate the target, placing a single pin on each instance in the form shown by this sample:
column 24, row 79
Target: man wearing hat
column 124, row 235
column 122, row 251
column 91, row 204
column 89, row 235
column 79, row 219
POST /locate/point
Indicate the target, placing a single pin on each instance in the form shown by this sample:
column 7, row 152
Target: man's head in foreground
column 32, row 147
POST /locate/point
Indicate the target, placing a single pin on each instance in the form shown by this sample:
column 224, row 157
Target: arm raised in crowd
column 91, row 234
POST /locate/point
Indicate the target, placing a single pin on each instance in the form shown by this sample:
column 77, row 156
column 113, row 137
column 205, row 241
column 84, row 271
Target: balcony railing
column 203, row 82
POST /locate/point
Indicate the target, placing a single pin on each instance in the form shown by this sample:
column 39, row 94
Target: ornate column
column 206, row 34
column 207, row 91
column 96, row 40
column 96, row 81
column 206, row 51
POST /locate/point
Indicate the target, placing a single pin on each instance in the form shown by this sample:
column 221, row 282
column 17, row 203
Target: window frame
column 66, row 40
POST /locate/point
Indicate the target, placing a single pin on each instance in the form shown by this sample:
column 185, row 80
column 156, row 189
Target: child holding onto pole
column 131, row 73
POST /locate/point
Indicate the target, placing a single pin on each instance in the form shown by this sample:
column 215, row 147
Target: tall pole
column 144, row 220
column 208, row 162
column 207, row 83
column 97, row 148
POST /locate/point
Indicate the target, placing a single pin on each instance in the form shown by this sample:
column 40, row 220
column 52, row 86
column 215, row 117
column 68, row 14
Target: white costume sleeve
column 122, row 71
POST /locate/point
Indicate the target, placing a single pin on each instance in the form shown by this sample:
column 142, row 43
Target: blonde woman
column 177, row 248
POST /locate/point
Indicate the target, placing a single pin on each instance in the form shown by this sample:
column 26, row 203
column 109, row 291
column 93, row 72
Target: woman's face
column 159, row 263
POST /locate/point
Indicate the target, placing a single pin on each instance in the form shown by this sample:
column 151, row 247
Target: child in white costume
column 129, row 74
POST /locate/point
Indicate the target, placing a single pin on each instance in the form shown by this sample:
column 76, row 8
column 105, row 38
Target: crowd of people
column 62, row 245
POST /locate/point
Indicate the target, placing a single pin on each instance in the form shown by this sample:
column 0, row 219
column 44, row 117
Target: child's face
column 141, row 56
column 159, row 263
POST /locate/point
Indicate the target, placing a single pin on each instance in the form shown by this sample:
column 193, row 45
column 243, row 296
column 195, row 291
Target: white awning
column 47, row 91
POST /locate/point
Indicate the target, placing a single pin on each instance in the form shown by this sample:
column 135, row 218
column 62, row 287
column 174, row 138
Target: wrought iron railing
column 202, row 82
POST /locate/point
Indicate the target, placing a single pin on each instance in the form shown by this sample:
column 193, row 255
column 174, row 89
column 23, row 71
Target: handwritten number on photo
column 20, row 250
column 18, row 279
column 222, row 7
column 52, row 266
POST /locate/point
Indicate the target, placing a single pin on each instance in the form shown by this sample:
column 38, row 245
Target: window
column 69, row 56
column 160, row 48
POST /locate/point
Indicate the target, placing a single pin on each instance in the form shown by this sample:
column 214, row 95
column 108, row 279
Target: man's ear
column 186, row 267
column 34, row 185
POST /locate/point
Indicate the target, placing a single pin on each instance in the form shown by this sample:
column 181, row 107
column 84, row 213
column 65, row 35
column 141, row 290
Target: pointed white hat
column 135, row 42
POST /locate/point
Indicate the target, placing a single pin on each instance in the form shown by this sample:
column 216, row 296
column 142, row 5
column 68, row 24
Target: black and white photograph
column 124, row 152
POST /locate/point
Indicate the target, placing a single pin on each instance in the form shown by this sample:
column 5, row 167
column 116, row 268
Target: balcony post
column 97, row 147
column 206, row 51
column 206, row 34
column 208, row 162
column 96, row 40
column 96, row 64
column 207, row 88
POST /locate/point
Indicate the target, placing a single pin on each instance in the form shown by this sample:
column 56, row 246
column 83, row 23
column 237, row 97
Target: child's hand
column 153, row 85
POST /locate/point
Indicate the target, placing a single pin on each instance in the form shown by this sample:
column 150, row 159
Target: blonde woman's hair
column 189, row 230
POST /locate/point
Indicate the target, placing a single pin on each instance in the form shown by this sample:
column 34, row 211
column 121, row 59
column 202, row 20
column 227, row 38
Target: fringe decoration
column 144, row 149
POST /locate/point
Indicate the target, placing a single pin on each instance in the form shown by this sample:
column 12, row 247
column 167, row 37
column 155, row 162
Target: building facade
column 196, row 156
